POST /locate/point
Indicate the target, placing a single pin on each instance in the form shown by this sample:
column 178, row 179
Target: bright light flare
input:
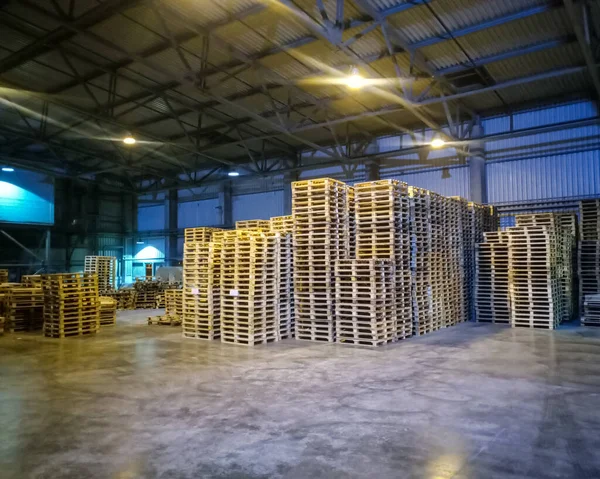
column 8, row 169
column 129, row 140
column 233, row 173
column 355, row 81
column 437, row 143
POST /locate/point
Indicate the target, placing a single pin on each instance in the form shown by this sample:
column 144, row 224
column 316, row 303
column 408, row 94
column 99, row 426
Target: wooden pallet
column 260, row 225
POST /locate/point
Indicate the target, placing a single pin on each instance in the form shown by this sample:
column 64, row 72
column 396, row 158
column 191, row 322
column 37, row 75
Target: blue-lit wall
column 26, row 198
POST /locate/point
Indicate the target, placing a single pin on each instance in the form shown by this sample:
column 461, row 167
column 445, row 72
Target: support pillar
column 477, row 167
column 373, row 173
column 226, row 205
column 171, row 227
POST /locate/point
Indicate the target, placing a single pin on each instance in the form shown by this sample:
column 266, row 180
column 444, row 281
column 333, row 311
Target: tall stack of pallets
column 589, row 249
column 365, row 304
column 421, row 260
column 71, row 304
column 565, row 236
column 382, row 232
column 106, row 269
column 492, row 296
column 284, row 264
column 282, row 224
column 321, row 232
column 534, row 277
column 201, row 290
column 261, row 225
column 250, row 289
column 351, row 205
column 174, row 303
column 24, row 308
column 3, row 276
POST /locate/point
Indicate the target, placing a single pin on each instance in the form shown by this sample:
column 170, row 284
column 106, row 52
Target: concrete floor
column 138, row 401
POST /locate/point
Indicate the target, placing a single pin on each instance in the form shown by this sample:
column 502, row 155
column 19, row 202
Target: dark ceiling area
column 207, row 86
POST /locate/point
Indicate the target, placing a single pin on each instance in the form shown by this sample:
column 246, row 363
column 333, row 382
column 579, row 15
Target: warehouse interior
column 299, row 238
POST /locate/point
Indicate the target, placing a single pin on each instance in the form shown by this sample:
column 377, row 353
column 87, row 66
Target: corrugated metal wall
column 260, row 206
column 151, row 218
column 456, row 184
column 199, row 213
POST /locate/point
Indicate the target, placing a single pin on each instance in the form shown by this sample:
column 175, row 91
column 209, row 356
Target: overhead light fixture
column 437, row 142
column 139, row 241
column 233, row 173
column 446, row 173
column 7, row 169
column 129, row 140
column 355, row 80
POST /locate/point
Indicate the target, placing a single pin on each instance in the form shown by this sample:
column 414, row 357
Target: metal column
column 477, row 174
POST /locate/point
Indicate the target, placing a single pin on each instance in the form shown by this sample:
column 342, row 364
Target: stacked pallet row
column 3, row 276
column 321, row 232
column 174, row 302
column 382, row 232
column 71, row 304
column 281, row 224
column 249, row 285
column 201, row 290
column 564, row 226
column 199, row 235
column 146, row 293
column 421, row 261
column 591, row 310
column 534, row 277
column 589, row 250
column 492, row 296
column 351, row 212
column 365, row 301
column 23, row 309
column 284, row 264
column 125, row 298
column 32, row 280
column 108, row 311
column 260, row 225
column 106, row 269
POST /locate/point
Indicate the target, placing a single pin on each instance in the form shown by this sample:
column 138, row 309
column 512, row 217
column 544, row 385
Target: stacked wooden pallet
column 282, row 224
column 589, row 220
column 125, row 298
column 3, row 276
column 534, row 277
column 421, row 259
column 589, row 249
column 71, row 304
column 201, row 290
column 492, row 296
column 365, row 303
column 106, row 269
column 320, row 238
column 351, row 212
column 591, row 310
column 146, row 292
column 261, row 225
column 250, row 289
column 32, row 280
column 24, row 308
column 199, row 235
column 285, row 278
column 108, row 311
column 382, row 232
column 174, row 302
column 563, row 225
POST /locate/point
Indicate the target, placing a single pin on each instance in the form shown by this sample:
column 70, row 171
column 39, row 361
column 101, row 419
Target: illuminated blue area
column 26, row 197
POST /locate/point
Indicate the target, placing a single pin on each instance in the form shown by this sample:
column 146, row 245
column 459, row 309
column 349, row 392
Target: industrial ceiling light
column 129, row 140
column 233, row 173
column 139, row 241
column 355, row 80
column 7, row 169
column 437, row 142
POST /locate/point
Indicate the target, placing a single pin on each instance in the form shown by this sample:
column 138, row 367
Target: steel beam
column 46, row 43
column 584, row 45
